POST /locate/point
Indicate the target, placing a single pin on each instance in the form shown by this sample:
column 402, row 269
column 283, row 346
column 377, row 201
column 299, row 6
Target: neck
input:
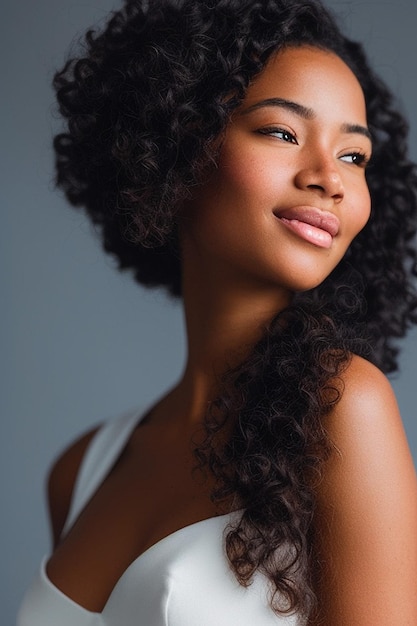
column 222, row 326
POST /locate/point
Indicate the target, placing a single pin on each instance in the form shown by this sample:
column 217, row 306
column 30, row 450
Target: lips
column 311, row 224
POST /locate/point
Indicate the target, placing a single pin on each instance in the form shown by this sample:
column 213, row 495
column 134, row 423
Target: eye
column 356, row 158
column 279, row 133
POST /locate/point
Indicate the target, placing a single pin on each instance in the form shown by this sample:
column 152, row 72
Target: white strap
column 101, row 455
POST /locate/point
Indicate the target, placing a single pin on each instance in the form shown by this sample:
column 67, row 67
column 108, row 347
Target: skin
column 241, row 265
column 367, row 510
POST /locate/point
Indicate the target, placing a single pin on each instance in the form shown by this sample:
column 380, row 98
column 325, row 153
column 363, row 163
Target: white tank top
column 182, row 580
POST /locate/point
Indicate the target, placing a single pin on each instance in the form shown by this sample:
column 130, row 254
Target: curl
column 272, row 462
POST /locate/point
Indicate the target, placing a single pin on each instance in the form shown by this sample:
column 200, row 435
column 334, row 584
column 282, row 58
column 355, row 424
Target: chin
column 306, row 283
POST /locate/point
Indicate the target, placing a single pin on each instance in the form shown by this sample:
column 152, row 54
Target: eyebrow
column 304, row 112
column 357, row 129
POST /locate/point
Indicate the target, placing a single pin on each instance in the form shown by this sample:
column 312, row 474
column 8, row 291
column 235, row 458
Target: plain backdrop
column 79, row 342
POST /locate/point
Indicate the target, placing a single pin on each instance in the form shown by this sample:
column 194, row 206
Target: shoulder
column 61, row 481
column 371, row 453
column 367, row 507
column 366, row 426
column 367, row 402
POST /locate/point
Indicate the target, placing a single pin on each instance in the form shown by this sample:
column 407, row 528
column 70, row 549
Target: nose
column 322, row 176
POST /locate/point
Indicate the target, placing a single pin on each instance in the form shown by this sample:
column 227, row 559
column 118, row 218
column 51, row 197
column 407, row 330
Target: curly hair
column 144, row 102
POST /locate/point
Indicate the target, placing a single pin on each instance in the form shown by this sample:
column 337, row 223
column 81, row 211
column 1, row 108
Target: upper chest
column 183, row 579
column 150, row 492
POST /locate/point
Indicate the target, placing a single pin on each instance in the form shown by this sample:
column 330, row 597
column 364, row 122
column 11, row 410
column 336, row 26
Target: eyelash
column 360, row 159
column 282, row 131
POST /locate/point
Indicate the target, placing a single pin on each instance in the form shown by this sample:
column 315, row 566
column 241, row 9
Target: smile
column 311, row 224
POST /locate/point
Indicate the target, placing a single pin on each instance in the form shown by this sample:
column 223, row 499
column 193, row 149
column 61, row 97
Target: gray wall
column 79, row 342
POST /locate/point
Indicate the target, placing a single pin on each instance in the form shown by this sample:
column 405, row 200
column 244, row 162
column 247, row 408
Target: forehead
column 315, row 78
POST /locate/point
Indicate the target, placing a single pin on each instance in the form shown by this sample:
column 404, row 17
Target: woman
column 224, row 148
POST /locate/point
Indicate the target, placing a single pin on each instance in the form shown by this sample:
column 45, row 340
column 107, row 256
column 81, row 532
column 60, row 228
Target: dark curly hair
column 144, row 103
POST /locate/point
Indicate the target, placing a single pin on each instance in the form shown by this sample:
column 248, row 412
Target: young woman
column 242, row 154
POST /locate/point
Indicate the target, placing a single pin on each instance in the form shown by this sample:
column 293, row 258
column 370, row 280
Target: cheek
column 365, row 209
column 359, row 210
column 237, row 174
column 250, row 178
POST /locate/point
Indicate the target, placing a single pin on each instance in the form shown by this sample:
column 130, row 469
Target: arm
column 60, row 484
column 366, row 523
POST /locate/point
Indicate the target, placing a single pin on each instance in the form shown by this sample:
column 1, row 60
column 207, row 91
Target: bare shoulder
column 61, row 480
column 366, row 517
column 372, row 458
column 368, row 406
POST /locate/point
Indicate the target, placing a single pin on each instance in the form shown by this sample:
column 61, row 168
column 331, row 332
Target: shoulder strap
column 101, row 455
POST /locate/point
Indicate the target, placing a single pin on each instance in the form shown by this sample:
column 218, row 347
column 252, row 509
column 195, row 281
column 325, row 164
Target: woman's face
column 289, row 193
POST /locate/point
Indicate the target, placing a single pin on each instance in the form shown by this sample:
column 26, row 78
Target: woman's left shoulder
column 364, row 382
column 366, row 508
column 366, row 514
column 366, row 429
column 367, row 404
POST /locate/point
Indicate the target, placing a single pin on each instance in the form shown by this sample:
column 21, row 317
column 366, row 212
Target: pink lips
column 315, row 226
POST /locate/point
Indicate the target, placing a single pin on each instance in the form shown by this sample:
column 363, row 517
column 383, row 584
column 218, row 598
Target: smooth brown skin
column 241, row 265
column 368, row 510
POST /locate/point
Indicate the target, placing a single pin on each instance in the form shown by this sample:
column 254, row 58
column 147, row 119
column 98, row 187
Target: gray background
column 79, row 342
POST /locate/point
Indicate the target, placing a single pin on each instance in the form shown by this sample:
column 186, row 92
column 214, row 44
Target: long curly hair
column 144, row 102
